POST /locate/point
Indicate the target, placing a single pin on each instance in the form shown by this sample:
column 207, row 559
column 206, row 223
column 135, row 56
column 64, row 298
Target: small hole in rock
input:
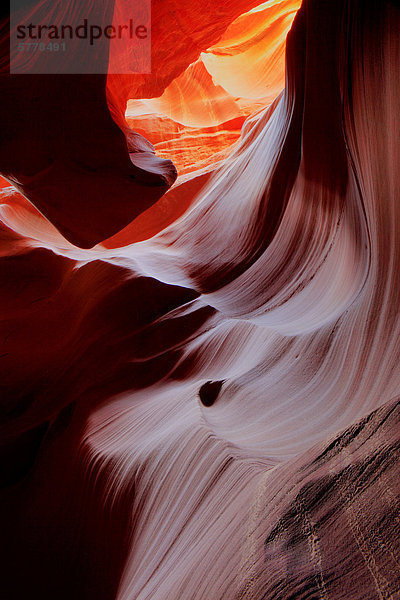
column 209, row 391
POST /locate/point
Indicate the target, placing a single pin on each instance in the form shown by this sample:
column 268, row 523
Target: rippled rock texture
column 200, row 335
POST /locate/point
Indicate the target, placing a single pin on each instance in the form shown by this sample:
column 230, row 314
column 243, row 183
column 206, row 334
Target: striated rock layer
column 205, row 404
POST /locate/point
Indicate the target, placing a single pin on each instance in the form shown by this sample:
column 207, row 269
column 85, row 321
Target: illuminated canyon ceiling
column 200, row 293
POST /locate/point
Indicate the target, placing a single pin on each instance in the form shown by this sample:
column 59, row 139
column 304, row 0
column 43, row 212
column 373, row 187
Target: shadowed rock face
column 212, row 413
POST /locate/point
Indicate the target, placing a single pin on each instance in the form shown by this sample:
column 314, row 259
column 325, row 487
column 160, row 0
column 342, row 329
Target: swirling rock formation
column 205, row 404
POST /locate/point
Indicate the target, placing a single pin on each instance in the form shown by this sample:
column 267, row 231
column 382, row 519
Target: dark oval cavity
column 209, row 392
